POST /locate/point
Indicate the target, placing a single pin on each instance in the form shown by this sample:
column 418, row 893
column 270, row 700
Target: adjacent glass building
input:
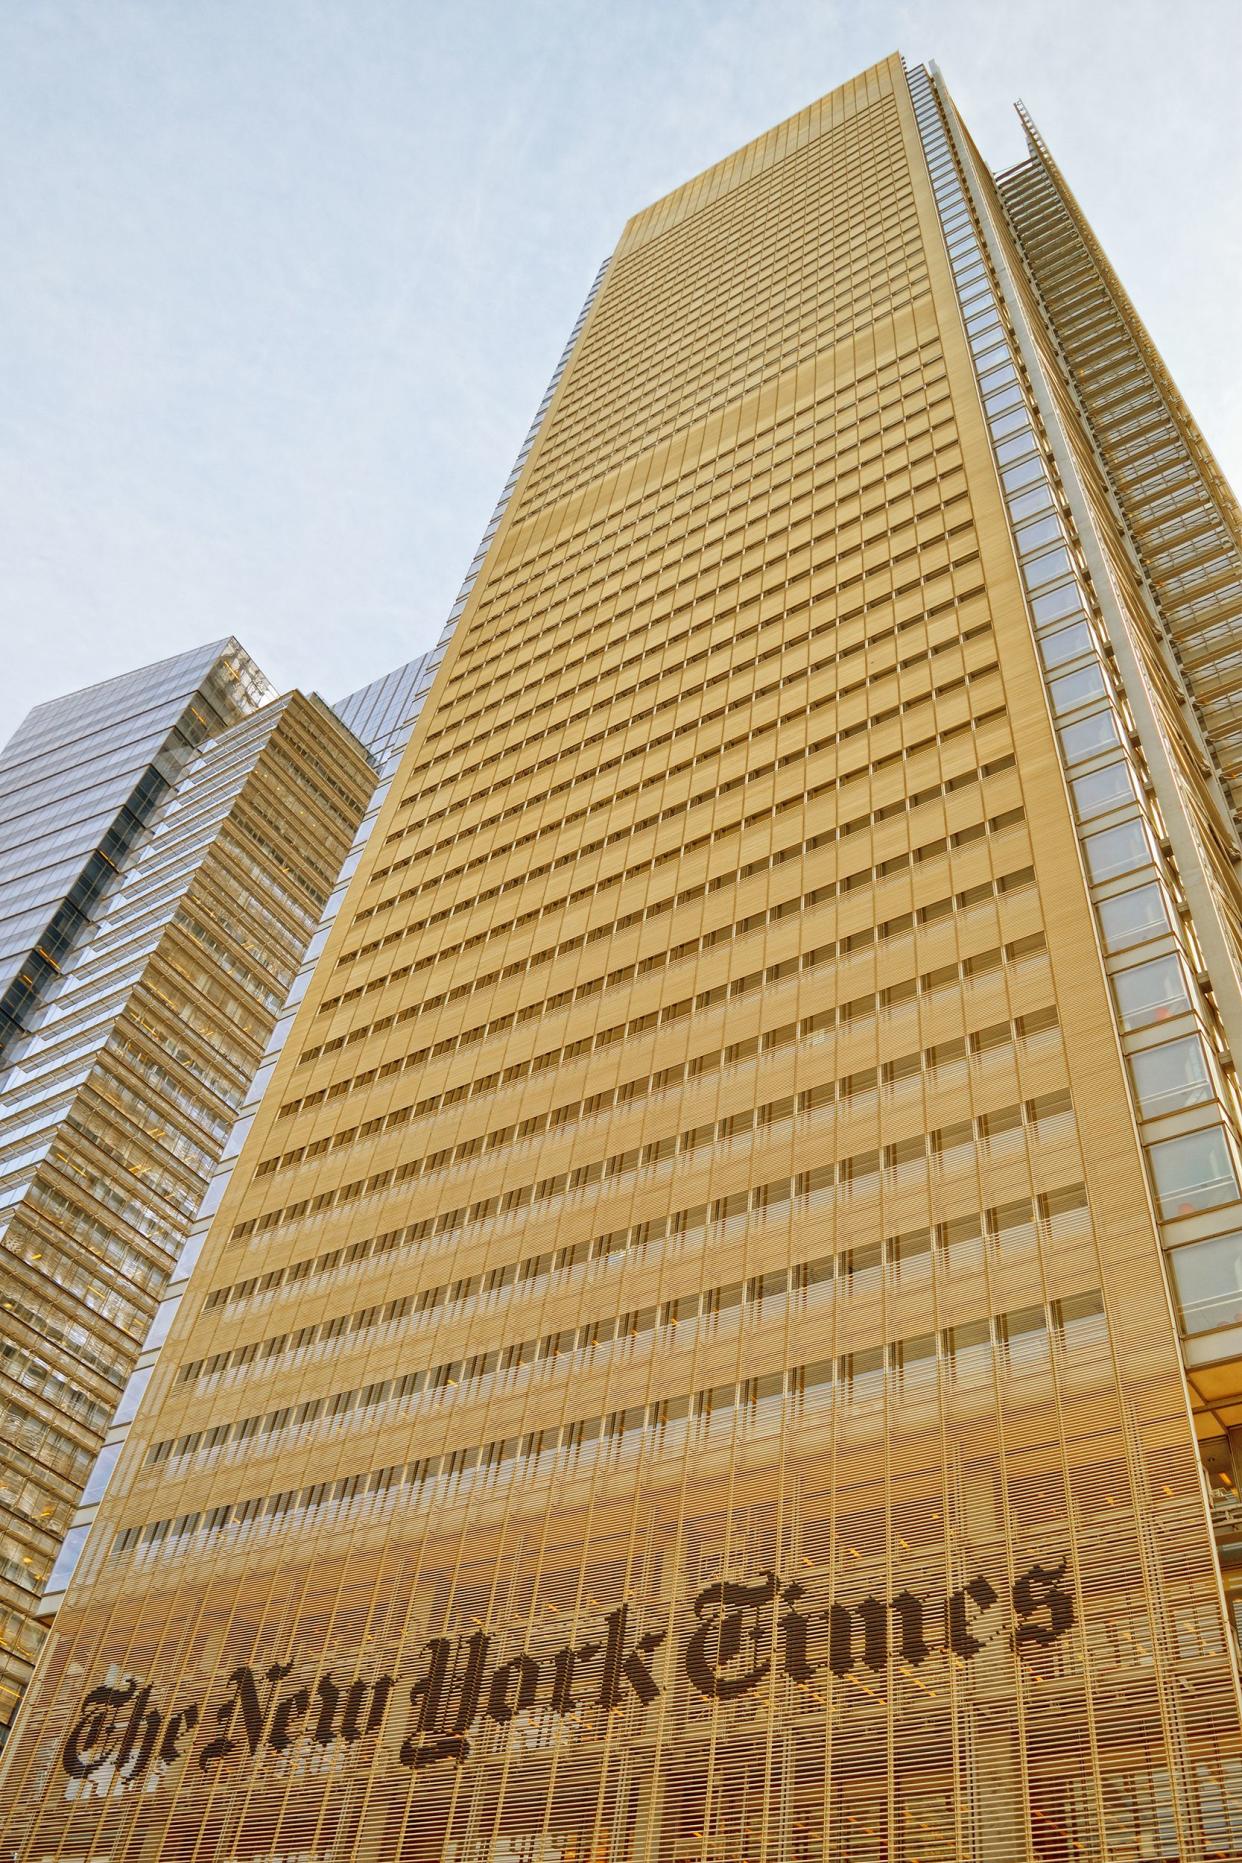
column 78, row 781
column 710, row 1345
column 140, row 1043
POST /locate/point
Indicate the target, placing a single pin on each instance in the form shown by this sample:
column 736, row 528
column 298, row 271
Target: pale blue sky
column 284, row 279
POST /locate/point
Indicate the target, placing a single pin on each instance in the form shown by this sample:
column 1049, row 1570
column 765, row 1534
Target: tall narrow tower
column 687, row 1364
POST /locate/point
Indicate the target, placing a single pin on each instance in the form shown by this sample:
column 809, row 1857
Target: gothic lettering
column 873, row 1617
column 93, row 1738
column 522, row 1674
column 443, row 1723
column 621, row 1666
column 1040, row 1590
column 245, row 1698
column 961, row 1640
column 732, row 1648
column 719, row 1638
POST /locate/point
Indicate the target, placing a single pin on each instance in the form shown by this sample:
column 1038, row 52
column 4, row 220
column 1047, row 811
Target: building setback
column 120, row 1095
column 691, row 1360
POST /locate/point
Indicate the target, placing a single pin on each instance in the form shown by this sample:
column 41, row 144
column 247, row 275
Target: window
column 1194, row 1173
column 1102, row 790
column 1057, row 605
column 1015, row 448
column 1051, row 567
column 1152, row 992
column 1077, row 689
column 1025, row 474
column 1044, row 530
column 165, row 1313
column 1066, row 643
column 67, row 1558
column 131, row 1396
column 1089, row 736
column 97, row 1480
column 1117, row 850
column 1026, row 504
column 1207, row 1279
column 1133, row 917
column 1171, row 1076
column 189, row 1255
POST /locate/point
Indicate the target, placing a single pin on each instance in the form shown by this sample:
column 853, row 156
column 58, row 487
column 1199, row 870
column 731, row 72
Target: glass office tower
column 688, row 1363
column 78, row 780
column 121, row 1093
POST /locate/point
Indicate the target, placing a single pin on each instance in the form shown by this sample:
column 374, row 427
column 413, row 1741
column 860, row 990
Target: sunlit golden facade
column 685, row 1367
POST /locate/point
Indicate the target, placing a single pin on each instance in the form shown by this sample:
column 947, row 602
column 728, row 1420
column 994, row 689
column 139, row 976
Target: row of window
column 643, row 376
column 954, row 587
column 849, row 1171
column 936, row 509
column 617, row 407
column 529, row 1277
column 859, row 1377
column 845, row 1015
column 743, row 595
column 483, row 980
column 807, row 552
column 760, row 475
column 1131, row 928
column 825, row 1277
column 1007, row 881
column 525, row 1272
column 948, row 559
column 903, row 863
column 1196, row 1170
column 965, row 726
column 864, row 646
column 665, row 959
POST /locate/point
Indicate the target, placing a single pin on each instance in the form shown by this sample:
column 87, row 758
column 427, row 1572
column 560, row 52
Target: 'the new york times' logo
column 743, row 1633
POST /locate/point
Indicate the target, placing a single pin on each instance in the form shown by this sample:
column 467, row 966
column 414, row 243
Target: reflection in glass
column 1026, row 504
column 1207, row 1278
column 1077, row 689
column 1171, row 1077
column 1117, row 850
column 1043, row 531
column 67, row 1558
column 131, row 1396
column 1102, row 790
column 165, row 1313
column 1151, row 992
column 1193, row 1173
column 1134, row 917
column 1089, row 736
column 97, row 1480
column 1024, row 474
column 1065, row 644
column 1049, row 568
column 1058, row 604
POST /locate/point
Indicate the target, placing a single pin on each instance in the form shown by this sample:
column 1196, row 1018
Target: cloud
column 284, row 285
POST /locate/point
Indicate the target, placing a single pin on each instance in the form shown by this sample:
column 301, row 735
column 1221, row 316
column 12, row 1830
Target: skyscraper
column 123, row 1088
column 687, row 1364
column 78, row 780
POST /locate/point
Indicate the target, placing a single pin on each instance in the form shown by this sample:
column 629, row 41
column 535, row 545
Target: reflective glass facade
column 78, row 780
column 686, row 1362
